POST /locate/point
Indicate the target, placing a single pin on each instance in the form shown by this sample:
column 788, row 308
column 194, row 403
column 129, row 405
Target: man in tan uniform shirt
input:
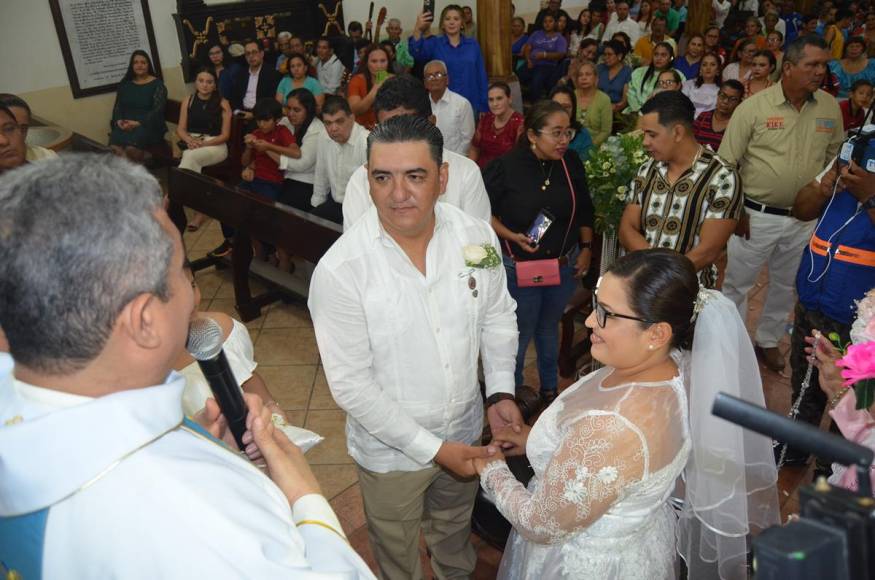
column 781, row 138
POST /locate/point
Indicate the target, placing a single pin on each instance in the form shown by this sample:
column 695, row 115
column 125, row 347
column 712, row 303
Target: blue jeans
column 538, row 312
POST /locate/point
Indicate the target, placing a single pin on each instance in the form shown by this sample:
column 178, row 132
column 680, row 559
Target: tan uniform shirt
column 778, row 149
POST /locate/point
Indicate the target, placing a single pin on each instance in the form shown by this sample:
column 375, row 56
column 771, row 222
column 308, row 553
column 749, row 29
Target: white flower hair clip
column 702, row 298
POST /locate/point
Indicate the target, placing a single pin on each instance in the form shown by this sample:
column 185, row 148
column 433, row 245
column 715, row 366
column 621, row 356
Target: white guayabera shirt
column 465, row 190
column 400, row 349
column 455, row 119
column 336, row 162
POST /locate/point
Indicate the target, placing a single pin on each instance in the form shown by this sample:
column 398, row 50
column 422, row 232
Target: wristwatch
column 492, row 399
column 585, row 245
column 869, row 204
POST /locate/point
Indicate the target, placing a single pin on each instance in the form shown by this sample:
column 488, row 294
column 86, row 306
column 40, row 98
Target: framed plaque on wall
column 97, row 38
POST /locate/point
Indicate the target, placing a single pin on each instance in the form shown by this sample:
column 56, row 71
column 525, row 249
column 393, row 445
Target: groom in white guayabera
column 402, row 305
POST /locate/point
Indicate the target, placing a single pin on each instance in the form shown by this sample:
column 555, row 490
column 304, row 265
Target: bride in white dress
column 608, row 452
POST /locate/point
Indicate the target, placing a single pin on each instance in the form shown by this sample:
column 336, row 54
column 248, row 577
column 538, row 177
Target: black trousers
column 330, row 210
column 814, row 402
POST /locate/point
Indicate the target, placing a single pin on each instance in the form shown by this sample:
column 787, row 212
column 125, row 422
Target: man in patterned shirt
column 685, row 198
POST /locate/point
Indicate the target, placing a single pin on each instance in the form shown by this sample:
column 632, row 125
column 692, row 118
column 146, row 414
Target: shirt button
column 438, row 330
column 447, row 367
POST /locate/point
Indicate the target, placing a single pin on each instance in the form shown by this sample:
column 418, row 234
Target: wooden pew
column 252, row 215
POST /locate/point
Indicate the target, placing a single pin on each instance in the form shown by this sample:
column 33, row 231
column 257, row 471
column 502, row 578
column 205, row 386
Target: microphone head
column 204, row 338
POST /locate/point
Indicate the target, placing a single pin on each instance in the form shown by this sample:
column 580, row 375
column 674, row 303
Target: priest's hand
column 459, row 458
column 212, row 419
column 286, row 465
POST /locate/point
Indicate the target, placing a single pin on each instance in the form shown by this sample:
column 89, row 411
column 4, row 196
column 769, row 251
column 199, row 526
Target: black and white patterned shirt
column 672, row 214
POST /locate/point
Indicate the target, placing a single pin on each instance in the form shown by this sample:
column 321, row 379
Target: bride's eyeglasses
column 602, row 314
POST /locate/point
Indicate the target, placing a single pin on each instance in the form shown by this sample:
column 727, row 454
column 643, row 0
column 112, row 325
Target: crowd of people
column 468, row 227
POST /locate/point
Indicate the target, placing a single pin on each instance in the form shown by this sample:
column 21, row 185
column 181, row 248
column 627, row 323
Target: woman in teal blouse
column 298, row 79
column 644, row 78
column 138, row 114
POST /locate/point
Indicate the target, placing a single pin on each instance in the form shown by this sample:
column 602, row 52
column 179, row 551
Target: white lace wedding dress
column 606, row 461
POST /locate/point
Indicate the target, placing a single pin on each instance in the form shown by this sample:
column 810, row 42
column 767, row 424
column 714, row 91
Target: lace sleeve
column 599, row 456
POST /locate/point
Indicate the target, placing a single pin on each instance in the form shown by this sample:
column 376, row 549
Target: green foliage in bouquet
column 609, row 171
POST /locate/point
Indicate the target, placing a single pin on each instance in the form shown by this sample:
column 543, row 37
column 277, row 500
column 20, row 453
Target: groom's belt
column 843, row 253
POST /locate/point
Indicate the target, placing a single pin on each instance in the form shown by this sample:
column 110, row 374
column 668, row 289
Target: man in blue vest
column 837, row 269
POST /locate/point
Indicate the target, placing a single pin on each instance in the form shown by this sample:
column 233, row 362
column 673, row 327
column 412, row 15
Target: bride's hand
column 480, row 463
column 512, row 439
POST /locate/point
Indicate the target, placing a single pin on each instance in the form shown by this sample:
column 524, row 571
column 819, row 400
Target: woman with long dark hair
column 138, row 114
column 204, row 129
column 703, row 89
column 298, row 79
column 499, row 129
column 223, row 67
column 542, row 179
column 362, row 88
column 644, row 78
column 300, row 166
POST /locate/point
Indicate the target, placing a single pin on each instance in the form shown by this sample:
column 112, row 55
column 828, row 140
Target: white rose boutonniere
column 483, row 256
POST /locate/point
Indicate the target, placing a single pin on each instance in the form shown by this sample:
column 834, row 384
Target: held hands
column 460, row 458
column 259, row 144
column 512, row 439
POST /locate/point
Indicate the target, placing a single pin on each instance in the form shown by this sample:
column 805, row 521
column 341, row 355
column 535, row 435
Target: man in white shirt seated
column 23, row 115
column 402, row 307
column 622, row 23
column 342, row 149
column 453, row 112
column 102, row 476
column 405, row 95
column 329, row 69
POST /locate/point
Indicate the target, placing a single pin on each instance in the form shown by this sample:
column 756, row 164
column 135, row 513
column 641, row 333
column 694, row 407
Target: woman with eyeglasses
column 542, row 180
column 644, row 78
column 710, row 126
column 606, row 457
column 669, row 80
column 582, row 143
column 223, row 67
column 741, row 69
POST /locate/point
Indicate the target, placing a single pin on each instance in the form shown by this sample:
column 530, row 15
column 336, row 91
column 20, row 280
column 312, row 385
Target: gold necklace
column 546, row 176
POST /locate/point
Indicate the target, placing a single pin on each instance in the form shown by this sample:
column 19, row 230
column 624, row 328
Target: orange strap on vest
column 843, row 253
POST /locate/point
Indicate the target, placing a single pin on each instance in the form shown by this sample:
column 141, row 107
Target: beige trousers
column 197, row 159
column 400, row 503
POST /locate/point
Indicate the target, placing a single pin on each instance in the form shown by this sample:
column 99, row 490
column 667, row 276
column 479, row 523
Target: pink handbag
column 534, row 273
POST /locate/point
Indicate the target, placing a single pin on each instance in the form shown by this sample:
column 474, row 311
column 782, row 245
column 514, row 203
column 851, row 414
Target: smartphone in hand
column 539, row 227
column 428, row 6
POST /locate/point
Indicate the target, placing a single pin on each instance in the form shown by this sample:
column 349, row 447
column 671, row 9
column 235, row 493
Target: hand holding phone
column 539, row 227
column 428, row 6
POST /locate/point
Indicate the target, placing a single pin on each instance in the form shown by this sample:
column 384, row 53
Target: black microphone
column 205, row 341
column 796, row 434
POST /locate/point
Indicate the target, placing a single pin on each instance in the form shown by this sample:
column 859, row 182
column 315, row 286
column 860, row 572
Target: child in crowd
column 262, row 174
column 858, row 103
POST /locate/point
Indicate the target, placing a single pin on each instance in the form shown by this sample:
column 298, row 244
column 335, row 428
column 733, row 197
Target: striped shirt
column 672, row 214
column 705, row 133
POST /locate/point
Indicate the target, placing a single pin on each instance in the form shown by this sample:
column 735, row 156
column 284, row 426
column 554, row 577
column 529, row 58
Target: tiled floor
column 288, row 360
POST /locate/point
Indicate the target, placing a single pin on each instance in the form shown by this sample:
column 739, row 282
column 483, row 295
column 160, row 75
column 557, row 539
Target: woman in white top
column 300, row 166
column 703, row 89
column 608, row 452
column 240, row 353
column 741, row 69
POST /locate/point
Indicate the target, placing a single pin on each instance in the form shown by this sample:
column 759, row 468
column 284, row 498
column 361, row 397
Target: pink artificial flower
column 858, row 363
